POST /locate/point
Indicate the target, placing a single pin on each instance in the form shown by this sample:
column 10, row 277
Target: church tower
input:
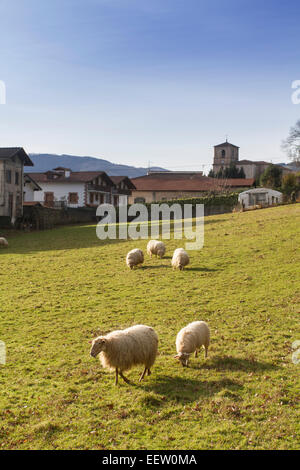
column 224, row 155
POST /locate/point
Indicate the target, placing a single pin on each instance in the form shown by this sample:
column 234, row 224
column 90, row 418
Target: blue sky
column 163, row 81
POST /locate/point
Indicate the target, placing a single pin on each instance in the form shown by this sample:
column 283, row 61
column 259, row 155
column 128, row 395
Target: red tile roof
column 118, row 179
column 75, row 177
column 251, row 162
column 175, row 182
column 239, row 182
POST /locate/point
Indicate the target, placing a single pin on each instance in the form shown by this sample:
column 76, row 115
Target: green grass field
column 61, row 288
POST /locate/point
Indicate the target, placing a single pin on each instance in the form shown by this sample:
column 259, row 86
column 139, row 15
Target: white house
column 260, row 196
column 64, row 187
column 30, row 186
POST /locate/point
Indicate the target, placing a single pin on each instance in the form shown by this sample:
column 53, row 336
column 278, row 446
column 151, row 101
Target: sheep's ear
column 90, row 342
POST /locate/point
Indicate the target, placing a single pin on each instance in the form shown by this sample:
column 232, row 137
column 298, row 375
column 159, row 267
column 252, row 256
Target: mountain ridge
column 48, row 161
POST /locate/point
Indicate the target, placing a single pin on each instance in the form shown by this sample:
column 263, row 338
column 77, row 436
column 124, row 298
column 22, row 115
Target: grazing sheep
column 180, row 259
column 190, row 339
column 134, row 257
column 3, row 242
column 157, row 248
column 123, row 349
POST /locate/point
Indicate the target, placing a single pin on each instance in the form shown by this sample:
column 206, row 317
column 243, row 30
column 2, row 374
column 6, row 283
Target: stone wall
column 41, row 218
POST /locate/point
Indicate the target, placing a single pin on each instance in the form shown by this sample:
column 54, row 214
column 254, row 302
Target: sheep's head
column 183, row 358
column 98, row 345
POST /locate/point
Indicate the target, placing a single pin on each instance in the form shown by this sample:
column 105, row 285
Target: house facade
column 30, row 186
column 168, row 185
column 62, row 187
column 122, row 190
column 12, row 162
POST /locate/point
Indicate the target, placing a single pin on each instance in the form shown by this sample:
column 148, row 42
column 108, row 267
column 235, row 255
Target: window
column 8, row 176
column 73, row 198
column 223, row 154
column 17, row 178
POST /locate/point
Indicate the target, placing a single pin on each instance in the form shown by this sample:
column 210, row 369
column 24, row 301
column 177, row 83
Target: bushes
column 271, row 177
column 229, row 200
column 289, row 184
column 213, row 204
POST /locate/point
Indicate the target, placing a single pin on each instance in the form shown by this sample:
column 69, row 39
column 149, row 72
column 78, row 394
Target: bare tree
column 291, row 145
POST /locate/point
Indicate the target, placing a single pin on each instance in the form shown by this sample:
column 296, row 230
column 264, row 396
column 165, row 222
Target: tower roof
column 226, row 143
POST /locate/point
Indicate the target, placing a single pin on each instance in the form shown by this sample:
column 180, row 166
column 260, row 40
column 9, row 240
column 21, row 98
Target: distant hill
column 294, row 166
column 44, row 162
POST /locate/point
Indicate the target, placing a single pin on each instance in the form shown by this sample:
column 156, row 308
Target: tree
column 211, row 174
column 291, row 145
column 242, row 173
column 220, row 173
column 289, row 183
column 271, row 177
column 231, row 172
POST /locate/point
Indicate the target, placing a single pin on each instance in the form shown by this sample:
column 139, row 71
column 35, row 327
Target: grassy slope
column 60, row 288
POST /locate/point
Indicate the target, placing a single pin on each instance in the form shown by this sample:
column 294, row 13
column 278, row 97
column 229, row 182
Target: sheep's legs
column 149, row 371
column 116, row 382
column 143, row 374
column 196, row 353
column 123, row 377
column 206, row 351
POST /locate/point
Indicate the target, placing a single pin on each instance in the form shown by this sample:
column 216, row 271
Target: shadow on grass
column 204, row 270
column 184, row 389
column 235, row 363
column 158, row 266
column 63, row 237
column 68, row 237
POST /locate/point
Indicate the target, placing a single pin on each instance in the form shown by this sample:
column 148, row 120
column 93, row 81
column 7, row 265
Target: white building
column 30, row 186
column 260, row 196
column 63, row 187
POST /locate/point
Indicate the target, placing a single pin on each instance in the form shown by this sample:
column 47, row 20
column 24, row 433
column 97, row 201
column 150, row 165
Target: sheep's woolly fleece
column 124, row 349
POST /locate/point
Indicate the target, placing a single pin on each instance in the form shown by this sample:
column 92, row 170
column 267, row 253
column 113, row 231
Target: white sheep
column 190, row 339
column 180, row 259
column 134, row 257
column 3, row 242
column 121, row 350
column 156, row 247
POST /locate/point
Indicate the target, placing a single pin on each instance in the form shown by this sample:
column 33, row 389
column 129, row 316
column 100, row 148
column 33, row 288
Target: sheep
column 123, row 349
column 190, row 339
column 180, row 259
column 157, row 248
column 3, row 242
column 134, row 257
